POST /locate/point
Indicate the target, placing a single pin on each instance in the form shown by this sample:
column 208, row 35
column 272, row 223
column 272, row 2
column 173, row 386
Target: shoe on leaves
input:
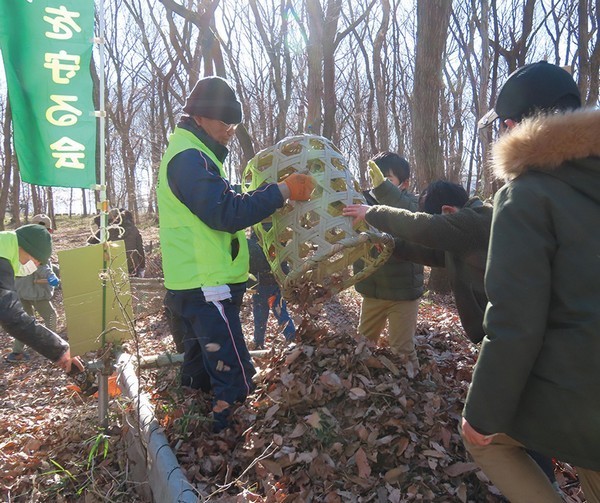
column 17, row 357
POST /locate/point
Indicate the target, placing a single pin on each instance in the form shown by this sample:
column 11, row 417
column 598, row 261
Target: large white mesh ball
column 313, row 250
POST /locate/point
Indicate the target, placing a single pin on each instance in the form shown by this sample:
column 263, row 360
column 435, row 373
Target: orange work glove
column 301, row 186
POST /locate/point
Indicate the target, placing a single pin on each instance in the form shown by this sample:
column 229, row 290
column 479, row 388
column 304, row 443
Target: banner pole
column 102, row 123
column 107, row 370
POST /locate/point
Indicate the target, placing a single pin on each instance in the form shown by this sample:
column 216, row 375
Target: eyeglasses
column 229, row 127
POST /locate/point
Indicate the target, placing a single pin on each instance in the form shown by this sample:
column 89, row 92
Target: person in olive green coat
column 391, row 294
column 536, row 383
column 452, row 232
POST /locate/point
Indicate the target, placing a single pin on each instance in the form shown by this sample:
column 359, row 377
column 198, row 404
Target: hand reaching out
column 357, row 211
column 375, row 174
column 65, row 362
column 472, row 436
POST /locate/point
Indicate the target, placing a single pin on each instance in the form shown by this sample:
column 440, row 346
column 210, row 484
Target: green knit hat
column 35, row 240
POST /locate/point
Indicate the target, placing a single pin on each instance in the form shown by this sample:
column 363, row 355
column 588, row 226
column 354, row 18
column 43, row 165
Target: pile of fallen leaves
column 332, row 419
column 337, row 419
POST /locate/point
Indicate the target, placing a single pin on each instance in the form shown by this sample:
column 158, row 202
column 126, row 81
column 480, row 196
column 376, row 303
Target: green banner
column 47, row 47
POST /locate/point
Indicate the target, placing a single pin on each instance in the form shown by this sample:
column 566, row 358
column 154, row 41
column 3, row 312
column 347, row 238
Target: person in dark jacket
column 266, row 296
column 112, row 231
column 391, row 294
column 453, row 232
column 542, row 323
column 134, row 244
column 203, row 242
column 21, row 253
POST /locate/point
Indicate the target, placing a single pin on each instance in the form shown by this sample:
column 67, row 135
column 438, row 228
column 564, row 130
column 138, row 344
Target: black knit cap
column 35, row 240
column 213, row 97
column 536, row 87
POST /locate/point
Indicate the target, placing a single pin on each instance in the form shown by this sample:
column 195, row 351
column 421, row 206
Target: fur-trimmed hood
column 546, row 142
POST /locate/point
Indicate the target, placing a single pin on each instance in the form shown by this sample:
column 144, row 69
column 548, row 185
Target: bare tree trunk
column 432, row 27
column 155, row 154
column 594, row 89
column 330, row 43
column 314, row 117
column 8, row 161
column 516, row 53
column 489, row 185
column 281, row 79
column 380, row 84
column 433, row 18
column 357, row 118
column 84, row 202
column 365, row 113
column 247, row 147
column 14, row 197
column 25, row 201
column 582, row 48
column 482, row 92
column 589, row 61
column 108, row 172
column 400, row 95
column 323, row 41
column 36, row 199
column 129, row 162
column 204, row 19
column 50, row 196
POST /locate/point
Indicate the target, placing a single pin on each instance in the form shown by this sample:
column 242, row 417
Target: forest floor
column 333, row 419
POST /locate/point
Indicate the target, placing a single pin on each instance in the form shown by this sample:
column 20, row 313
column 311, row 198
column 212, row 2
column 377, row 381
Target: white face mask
column 27, row 268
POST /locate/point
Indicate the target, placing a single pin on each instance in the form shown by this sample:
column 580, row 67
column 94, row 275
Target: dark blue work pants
column 216, row 357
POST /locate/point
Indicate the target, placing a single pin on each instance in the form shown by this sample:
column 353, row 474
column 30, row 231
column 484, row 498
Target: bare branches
column 355, row 72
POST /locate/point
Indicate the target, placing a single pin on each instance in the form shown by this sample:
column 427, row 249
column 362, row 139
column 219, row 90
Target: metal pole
column 103, row 375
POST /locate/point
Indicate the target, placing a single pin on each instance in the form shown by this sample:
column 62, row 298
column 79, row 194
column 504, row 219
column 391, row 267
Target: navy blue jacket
column 195, row 180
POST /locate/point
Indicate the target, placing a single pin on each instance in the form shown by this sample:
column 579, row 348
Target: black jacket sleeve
column 20, row 325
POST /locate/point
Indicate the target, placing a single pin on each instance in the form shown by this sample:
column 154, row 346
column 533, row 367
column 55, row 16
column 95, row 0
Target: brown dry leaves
column 350, row 423
column 46, row 435
column 335, row 420
column 332, row 420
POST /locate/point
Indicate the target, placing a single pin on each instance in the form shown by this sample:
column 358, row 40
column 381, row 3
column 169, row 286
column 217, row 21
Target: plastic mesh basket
column 311, row 247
